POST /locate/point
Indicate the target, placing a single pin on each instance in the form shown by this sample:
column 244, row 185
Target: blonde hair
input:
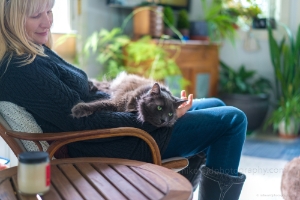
column 13, row 38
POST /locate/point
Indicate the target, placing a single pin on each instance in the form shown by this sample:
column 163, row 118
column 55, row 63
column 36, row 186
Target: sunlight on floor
column 263, row 178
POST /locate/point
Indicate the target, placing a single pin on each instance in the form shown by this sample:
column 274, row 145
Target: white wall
column 258, row 60
column 6, row 152
column 96, row 15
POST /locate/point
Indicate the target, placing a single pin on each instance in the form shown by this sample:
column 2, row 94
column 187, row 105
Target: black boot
column 192, row 171
column 218, row 186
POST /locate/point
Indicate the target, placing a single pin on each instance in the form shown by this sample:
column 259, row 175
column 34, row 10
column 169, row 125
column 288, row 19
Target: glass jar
column 34, row 173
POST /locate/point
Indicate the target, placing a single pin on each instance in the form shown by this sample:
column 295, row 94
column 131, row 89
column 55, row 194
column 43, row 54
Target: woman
column 34, row 77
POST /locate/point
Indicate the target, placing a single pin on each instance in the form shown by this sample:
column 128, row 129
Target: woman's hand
column 2, row 166
column 183, row 108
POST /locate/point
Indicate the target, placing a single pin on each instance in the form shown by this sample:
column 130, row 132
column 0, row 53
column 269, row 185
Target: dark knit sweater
column 49, row 87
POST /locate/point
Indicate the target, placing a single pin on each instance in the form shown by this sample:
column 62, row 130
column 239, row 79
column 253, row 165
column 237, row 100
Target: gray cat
column 152, row 101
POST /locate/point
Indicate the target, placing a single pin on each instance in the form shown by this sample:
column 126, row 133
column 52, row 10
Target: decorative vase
column 290, row 131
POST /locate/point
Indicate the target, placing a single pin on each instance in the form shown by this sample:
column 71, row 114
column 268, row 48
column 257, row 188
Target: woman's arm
column 49, row 99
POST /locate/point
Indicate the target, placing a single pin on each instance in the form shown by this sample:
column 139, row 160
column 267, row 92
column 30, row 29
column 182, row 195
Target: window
column 270, row 8
column 63, row 35
column 61, row 17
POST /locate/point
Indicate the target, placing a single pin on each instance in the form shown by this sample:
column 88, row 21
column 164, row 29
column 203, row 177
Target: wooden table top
column 103, row 178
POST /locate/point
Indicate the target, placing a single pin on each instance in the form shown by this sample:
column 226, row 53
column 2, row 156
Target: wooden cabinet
column 194, row 58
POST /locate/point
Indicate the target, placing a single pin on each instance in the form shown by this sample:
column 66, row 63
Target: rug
column 284, row 150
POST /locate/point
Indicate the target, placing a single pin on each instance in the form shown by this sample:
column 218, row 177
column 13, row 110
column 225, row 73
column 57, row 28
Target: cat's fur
column 152, row 101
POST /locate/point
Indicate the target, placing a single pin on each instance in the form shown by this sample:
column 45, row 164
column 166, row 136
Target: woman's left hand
column 183, row 108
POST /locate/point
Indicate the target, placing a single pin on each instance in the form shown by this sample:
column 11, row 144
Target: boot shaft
column 219, row 186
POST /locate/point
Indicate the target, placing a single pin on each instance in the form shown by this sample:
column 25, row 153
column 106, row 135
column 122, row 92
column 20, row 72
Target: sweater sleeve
column 41, row 91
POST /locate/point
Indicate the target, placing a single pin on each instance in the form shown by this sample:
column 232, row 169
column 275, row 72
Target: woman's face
column 38, row 25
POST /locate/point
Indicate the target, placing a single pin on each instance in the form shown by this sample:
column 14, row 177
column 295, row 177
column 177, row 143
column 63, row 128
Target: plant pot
column 289, row 132
column 199, row 30
column 168, row 31
column 254, row 106
column 199, row 37
column 185, row 32
column 148, row 22
column 261, row 23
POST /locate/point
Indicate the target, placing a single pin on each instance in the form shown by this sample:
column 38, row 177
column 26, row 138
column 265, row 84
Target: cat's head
column 158, row 106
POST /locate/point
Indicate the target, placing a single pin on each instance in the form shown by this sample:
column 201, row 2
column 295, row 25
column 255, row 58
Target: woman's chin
column 40, row 40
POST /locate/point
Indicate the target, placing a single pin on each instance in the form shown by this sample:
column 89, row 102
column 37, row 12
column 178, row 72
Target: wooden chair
column 12, row 138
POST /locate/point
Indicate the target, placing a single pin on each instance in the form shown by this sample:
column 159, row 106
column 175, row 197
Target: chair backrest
column 14, row 143
column 16, row 118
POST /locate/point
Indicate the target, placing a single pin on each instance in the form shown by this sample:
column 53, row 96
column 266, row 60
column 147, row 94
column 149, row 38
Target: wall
column 6, row 152
column 96, row 15
column 236, row 55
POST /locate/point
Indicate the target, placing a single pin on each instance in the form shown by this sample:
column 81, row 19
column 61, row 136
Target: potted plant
column 247, row 91
column 234, row 13
column 117, row 52
column 169, row 20
column 183, row 23
column 286, row 118
column 253, row 10
column 253, row 13
column 285, row 57
column 216, row 23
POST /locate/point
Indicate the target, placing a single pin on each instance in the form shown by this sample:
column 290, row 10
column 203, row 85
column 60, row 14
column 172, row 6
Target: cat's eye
column 159, row 108
column 170, row 114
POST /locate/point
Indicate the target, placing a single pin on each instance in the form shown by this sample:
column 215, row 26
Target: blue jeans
column 212, row 127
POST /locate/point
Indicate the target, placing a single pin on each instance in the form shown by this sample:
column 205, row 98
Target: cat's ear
column 178, row 102
column 155, row 89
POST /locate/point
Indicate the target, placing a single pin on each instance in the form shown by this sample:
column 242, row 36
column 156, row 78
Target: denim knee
column 217, row 102
column 207, row 103
column 239, row 121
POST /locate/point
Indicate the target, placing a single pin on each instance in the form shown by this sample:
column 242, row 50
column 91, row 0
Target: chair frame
column 12, row 138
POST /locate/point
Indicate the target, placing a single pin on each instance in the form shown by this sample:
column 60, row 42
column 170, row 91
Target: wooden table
column 104, row 178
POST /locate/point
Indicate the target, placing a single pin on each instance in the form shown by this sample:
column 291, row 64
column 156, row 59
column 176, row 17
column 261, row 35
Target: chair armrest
column 63, row 138
column 175, row 163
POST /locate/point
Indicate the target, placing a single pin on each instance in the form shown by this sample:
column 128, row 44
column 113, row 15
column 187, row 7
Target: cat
column 152, row 101
column 95, row 85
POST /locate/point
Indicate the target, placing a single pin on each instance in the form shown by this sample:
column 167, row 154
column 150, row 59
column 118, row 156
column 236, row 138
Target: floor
column 263, row 175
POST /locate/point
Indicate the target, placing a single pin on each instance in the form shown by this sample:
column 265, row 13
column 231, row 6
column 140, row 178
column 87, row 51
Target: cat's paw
column 81, row 110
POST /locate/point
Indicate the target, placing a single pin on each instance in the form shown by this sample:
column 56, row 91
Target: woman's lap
column 209, row 124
